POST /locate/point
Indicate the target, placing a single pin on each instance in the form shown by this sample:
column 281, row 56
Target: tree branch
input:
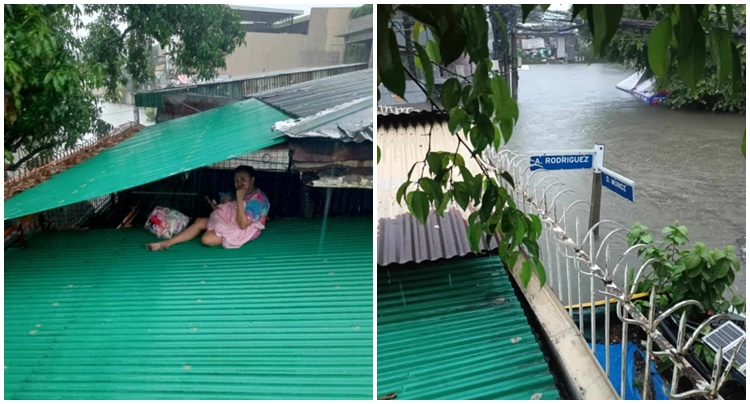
column 15, row 166
column 461, row 141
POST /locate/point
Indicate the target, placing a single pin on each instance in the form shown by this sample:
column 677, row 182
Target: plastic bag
column 165, row 222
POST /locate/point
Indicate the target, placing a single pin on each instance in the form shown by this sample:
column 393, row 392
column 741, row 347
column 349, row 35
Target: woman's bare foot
column 157, row 246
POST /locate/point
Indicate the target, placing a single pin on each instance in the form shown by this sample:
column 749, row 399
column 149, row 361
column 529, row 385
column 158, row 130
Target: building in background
column 283, row 39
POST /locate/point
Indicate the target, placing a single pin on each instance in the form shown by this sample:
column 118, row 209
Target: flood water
column 687, row 165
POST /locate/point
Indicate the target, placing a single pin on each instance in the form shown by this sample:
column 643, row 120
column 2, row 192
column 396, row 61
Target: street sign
column 579, row 161
column 618, row 184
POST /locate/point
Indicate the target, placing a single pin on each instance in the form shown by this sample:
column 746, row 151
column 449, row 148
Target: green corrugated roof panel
column 157, row 152
column 92, row 315
column 455, row 330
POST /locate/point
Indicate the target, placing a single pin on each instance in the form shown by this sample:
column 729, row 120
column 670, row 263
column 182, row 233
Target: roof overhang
column 157, row 152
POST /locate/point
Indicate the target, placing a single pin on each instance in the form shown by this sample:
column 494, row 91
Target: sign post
column 586, row 159
column 596, row 188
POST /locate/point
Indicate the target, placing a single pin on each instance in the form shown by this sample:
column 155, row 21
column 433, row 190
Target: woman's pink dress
column 223, row 220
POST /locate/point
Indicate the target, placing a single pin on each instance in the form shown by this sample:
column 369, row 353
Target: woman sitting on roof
column 234, row 222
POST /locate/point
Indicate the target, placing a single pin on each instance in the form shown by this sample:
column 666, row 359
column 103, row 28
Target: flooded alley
column 687, row 165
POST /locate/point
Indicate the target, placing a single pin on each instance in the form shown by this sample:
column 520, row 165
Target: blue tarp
column 615, row 358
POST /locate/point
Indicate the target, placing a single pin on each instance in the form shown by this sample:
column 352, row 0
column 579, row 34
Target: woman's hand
column 241, row 194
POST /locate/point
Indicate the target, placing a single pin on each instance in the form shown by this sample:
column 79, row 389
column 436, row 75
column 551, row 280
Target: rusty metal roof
column 338, row 107
column 403, row 239
column 92, row 315
column 404, row 139
column 456, row 330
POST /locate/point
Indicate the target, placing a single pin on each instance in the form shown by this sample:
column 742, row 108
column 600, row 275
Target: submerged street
column 687, row 165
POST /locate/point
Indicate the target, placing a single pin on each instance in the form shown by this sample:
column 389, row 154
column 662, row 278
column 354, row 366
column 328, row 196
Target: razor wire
column 537, row 192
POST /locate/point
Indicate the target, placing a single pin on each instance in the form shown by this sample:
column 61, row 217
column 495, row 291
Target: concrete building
column 288, row 45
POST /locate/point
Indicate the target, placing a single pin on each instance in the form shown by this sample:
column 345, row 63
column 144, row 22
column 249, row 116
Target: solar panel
column 727, row 336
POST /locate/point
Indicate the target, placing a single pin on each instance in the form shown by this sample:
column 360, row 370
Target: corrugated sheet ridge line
column 403, row 239
column 92, row 315
column 455, row 330
column 308, row 98
column 156, row 152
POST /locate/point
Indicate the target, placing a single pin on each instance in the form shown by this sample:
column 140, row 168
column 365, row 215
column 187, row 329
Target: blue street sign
column 562, row 162
column 618, row 184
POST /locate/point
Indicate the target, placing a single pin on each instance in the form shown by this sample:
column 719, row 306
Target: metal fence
column 581, row 266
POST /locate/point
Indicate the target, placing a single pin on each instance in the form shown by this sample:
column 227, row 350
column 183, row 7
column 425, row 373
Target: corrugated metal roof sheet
column 348, row 122
column 309, row 98
column 241, row 87
column 403, row 141
column 92, row 315
column 156, row 152
column 403, row 239
column 455, row 330
column 338, row 107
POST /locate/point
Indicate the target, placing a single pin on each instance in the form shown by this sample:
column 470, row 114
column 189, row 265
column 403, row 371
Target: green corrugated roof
column 91, row 314
column 455, row 330
column 157, row 152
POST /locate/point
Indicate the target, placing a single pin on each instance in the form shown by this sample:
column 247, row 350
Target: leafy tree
column 629, row 47
column 197, row 37
column 47, row 88
column 483, row 108
column 50, row 74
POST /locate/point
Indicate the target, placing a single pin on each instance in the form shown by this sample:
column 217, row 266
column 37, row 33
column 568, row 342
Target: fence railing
column 39, row 163
column 574, row 257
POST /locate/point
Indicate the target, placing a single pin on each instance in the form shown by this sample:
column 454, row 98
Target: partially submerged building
column 90, row 314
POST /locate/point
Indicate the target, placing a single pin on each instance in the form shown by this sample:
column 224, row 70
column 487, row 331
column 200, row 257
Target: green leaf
column 721, row 41
column 506, row 128
column 457, row 119
column 525, row 273
column 429, row 74
column 475, row 234
column 485, row 130
column 378, row 154
column 452, row 44
column 435, row 162
column 737, row 81
column 505, row 106
column 450, row 93
column 458, row 160
column 461, row 194
column 658, row 47
column 577, row 8
column 507, row 177
column 488, row 201
column 419, row 205
column 691, row 58
column 526, row 9
column 415, row 31
column 433, row 51
column 433, row 190
column 645, row 12
column 536, row 224
column 503, row 29
column 520, row 231
column 390, row 69
column 497, row 140
column 401, row 191
column 541, row 273
column 606, row 20
column 444, row 204
column 744, row 137
column 479, row 81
